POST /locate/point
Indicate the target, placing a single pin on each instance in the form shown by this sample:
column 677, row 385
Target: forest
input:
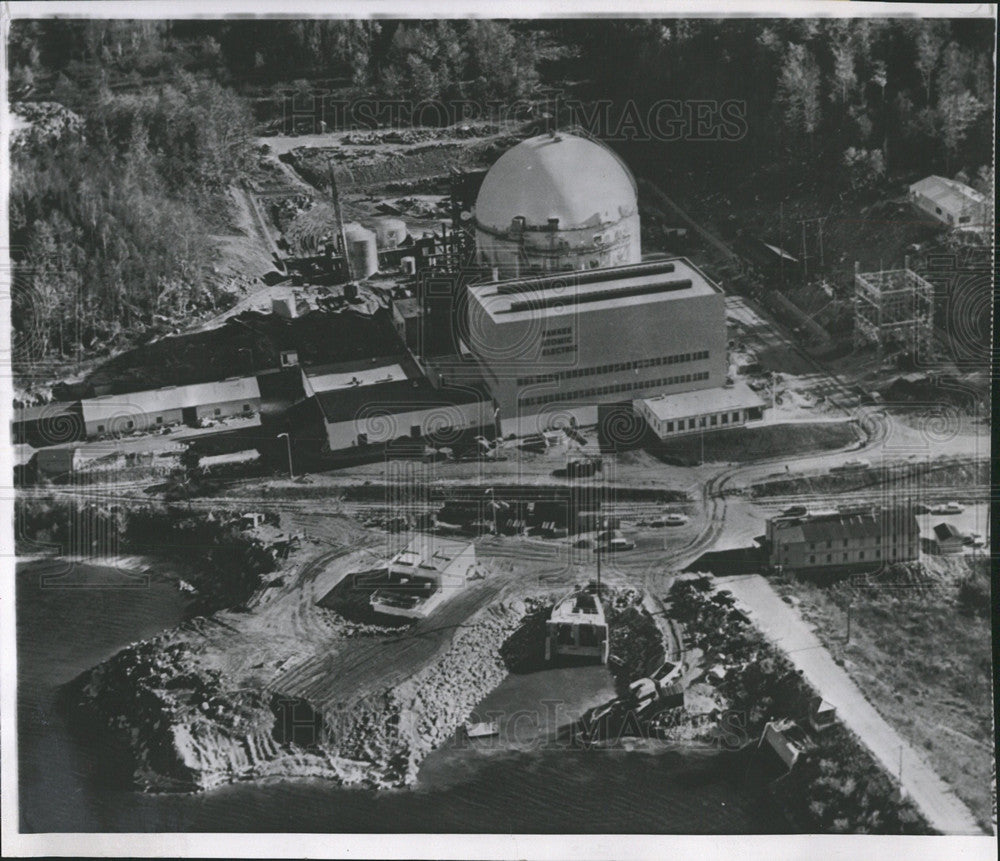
column 112, row 218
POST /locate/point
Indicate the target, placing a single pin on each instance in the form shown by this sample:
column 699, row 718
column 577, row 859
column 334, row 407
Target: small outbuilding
column 948, row 540
column 949, row 201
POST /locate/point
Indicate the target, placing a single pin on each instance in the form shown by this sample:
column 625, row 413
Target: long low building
column 860, row 538
column 692, row 412
column 138, row 411
column 382, row 413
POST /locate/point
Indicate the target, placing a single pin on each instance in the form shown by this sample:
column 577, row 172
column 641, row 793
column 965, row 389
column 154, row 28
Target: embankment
column 187, row 727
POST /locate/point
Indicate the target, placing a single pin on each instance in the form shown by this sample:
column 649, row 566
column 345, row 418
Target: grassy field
column 917, row 474
column 923, row 662
column 743, row 444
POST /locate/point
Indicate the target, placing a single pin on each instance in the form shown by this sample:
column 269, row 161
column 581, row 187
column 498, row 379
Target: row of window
column 829, row 544
column 704, row 421
column 861, row 556
column 611, row 389
column 130, row 424
column 572, row 373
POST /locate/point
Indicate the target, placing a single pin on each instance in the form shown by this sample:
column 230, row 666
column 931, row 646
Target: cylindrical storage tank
column 362, row 250
column 391, row 232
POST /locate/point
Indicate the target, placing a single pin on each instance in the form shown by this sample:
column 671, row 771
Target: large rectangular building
column 571, row 342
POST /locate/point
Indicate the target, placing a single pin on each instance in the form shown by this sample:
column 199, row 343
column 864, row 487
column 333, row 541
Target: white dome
column 578, row 181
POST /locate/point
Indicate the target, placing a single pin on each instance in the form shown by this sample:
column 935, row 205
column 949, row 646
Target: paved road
column 782, row 624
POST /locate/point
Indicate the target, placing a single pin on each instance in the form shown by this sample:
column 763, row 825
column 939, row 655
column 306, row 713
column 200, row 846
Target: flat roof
column 456, row 368
column 45, row 411
column 703, row 401
column 515, row 300
column 360, row 372
column 392, row 398
column 431, row 550
column 170, row 398
column 578, row 608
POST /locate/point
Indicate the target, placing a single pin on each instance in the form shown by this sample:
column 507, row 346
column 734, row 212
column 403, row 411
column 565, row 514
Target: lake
column 66, row 624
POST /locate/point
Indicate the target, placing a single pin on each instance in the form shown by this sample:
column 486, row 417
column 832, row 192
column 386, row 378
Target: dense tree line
column 227, row 564
column 110, row 228
column 859, row 98
column 409, row 59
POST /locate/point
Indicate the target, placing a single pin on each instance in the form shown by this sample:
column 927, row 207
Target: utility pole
column 805, row 255
column 288, row 443
column 598, row 566
column 849, row 605
column 781, row 240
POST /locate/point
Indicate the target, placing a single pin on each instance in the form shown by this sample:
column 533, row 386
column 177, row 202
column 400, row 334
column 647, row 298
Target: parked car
column 615, row 544
column 674, row 519
column 847, row 466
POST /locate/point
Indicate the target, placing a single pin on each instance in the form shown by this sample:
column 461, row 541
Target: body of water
column 66, row 624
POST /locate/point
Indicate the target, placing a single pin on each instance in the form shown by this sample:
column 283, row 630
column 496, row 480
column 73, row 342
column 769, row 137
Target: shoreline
column 228, row 737
column 188, row 731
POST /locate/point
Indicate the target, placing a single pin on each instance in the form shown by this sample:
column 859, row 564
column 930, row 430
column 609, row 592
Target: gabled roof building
column 851, row 538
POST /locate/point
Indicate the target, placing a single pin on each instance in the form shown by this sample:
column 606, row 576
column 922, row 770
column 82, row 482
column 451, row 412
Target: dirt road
column 785, row 627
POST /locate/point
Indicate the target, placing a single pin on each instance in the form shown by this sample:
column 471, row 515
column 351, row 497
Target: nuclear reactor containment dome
column 557, row 202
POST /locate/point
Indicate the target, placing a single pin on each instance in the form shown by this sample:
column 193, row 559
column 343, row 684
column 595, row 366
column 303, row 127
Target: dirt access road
column 785, row 627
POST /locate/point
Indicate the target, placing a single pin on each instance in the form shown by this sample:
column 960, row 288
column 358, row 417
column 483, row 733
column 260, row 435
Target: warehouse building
column 141, row 411
column 372, row 402
column 49, row 424
column 859, row 538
